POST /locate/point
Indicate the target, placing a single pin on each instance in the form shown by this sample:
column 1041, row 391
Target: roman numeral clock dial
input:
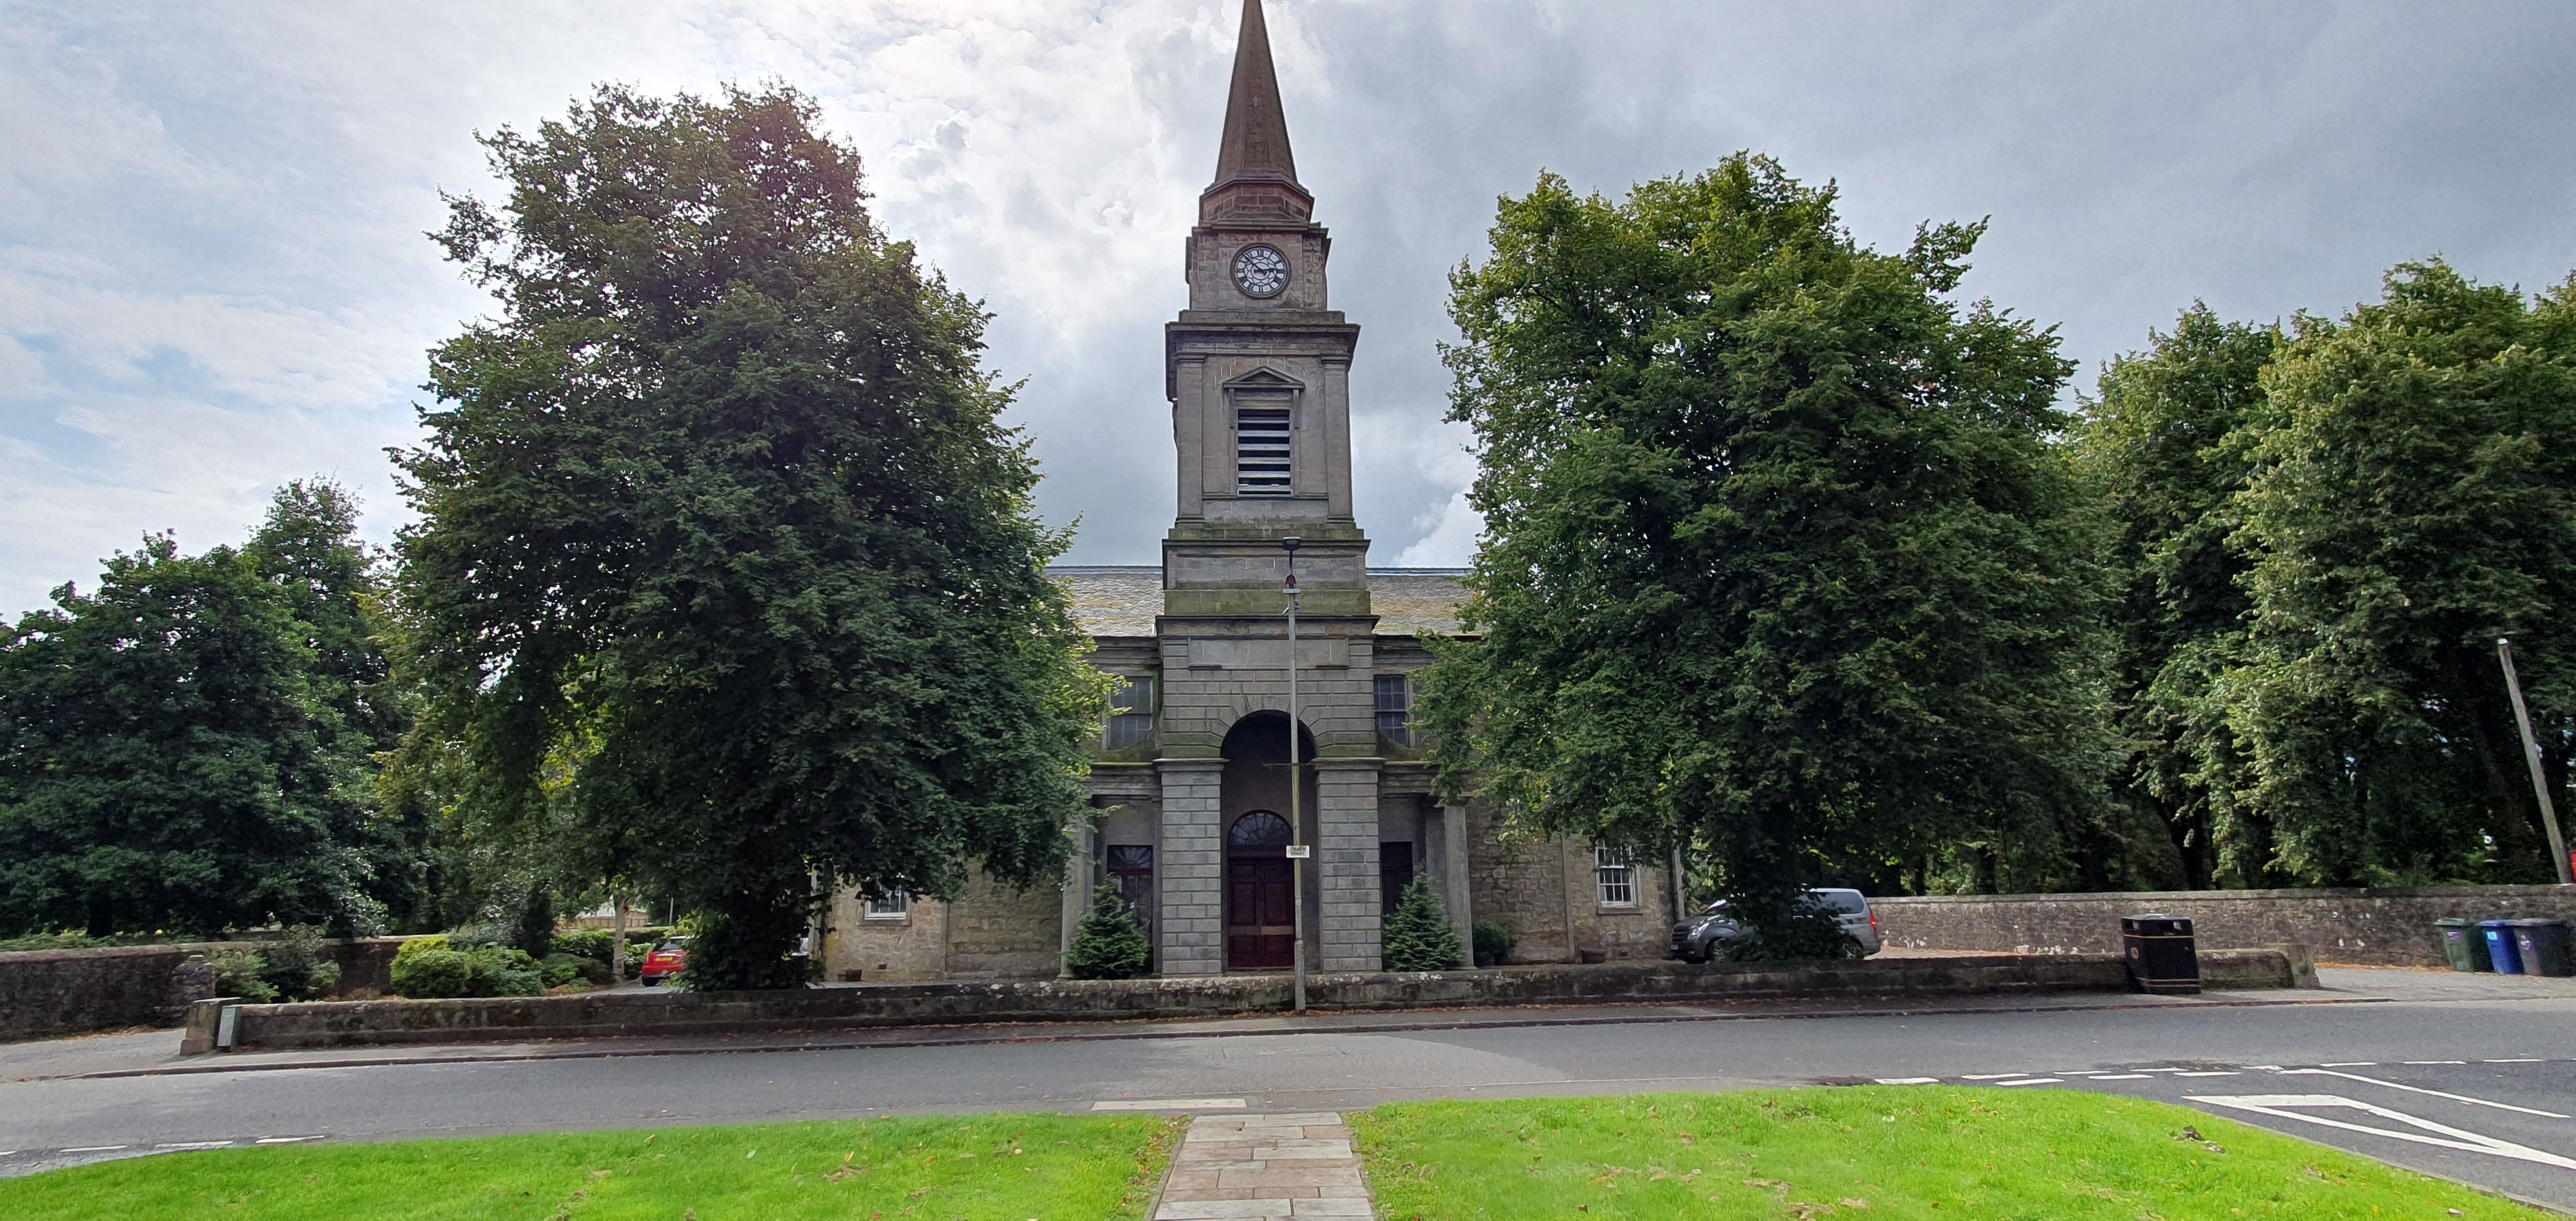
column 1260, row 271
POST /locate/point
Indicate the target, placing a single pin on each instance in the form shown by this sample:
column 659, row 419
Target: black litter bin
column 2542, row 945
column 2162, row 956
column 2463, row 944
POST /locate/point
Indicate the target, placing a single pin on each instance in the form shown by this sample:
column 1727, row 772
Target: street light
column 1296, row 815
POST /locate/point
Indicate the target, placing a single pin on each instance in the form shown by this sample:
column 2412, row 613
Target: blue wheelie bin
column 2500, row 946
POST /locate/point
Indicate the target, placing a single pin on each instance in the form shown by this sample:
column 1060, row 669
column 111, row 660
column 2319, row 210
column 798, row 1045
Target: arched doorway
column 1260, row 912
column 1259, row 899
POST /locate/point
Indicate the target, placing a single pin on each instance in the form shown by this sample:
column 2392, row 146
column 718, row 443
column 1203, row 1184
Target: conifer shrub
column 1108, row 943
column 1493, row 944
column 1418, row 934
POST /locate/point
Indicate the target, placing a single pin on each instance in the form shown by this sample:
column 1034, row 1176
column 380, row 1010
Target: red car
column 666, row 960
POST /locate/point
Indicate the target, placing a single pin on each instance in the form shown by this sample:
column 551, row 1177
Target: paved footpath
column 1265, row 1167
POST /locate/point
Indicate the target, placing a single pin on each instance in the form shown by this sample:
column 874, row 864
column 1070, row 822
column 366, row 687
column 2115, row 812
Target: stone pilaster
column 1192, row 862
column 1346, row 824
column 1462, row 913
column 1077, row 892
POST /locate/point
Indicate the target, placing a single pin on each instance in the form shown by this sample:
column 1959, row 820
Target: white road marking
column 1990, row 1076
column 2290, row 1106
column 1909, row 1081
column 2432, row 1061
column 2207, row 1073
column 2417, row 1089
column 2034, row 1081
column 93, row 1149
column 2350, row 1064
column 283, row 1140
column 2125, row 1077
column 2531, row 1060
column 1171, row 1104
column 195, row 1144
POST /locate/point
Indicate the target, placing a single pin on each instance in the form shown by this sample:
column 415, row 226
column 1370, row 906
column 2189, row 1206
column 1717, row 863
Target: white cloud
column 212, row 277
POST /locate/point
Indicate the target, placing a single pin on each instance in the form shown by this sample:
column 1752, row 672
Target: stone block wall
column 1544, row 892
column 2384, row 926
column 44, row 993
column 912, row 947
column 1347, row 813
column 1191, row 866
column 1000, row 932
column 1872, row 983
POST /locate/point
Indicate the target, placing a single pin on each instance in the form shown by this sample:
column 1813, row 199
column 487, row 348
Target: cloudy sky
column 213, row 279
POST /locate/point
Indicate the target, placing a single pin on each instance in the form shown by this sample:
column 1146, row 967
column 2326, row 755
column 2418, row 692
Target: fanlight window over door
column 1258, row 829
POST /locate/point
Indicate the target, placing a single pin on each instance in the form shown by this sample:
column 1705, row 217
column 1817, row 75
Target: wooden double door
column 1260, row 912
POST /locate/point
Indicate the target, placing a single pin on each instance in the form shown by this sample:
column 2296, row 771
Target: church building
column 1192, row 778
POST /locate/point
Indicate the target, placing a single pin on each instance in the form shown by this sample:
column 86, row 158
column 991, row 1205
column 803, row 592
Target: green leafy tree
column 2413, row 497
column 1418, row 935
column 723, row 555
column 334, row 585
column 173, row 760
column 1107, row 941
column 1779, row 564
column 2163, row 454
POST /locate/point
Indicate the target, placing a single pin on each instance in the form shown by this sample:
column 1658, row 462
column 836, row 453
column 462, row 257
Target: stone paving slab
column 1265, row 1168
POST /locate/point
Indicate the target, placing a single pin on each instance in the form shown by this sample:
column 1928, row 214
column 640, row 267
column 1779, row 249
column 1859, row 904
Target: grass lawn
column 1869, row 1152
column 982, row 1167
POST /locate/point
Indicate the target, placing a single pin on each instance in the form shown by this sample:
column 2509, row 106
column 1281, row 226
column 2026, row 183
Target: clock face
column 1260, row 271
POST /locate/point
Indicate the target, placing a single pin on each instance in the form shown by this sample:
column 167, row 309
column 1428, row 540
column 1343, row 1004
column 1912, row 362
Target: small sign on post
column 1300, row 852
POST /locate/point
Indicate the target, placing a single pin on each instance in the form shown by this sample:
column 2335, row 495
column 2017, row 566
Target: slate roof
column 1122, row 599
column 1114, row 600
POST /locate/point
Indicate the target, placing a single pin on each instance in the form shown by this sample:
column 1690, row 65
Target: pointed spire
column 1254, row 153
column 1256, row 130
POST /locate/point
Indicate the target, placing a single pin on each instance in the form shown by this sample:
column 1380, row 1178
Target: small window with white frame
column 1395, row 709
column 894, row 906
column 1131, row 712
column 1614, row 874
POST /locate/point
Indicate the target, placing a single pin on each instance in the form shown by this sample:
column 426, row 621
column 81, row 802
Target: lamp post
column 2531, row 755
column 1296, row 814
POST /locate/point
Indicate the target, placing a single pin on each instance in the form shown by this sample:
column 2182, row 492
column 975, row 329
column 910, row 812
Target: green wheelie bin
column 2463, row 944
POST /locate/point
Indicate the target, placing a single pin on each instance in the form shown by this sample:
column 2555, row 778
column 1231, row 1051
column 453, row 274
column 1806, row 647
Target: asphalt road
column 2479, row 1091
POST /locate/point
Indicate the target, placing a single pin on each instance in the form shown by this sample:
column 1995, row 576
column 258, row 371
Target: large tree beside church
column 725, row 563
column 1779, row 565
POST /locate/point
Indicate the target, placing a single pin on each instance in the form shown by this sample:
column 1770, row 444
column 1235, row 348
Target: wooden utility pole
column 2531, row 755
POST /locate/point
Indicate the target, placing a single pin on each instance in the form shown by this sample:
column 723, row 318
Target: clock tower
column 1258, row 371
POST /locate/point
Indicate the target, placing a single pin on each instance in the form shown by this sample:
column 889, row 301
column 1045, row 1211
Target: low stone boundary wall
column 628, row 1014
column 2384, row 926
column 57, row 992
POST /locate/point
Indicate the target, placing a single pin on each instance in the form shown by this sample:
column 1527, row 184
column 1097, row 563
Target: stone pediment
column 1264, row 378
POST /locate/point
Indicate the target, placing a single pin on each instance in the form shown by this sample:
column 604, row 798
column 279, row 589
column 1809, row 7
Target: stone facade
column 2380, row 925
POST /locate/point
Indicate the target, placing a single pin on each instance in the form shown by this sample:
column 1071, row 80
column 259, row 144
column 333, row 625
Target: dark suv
column 1695, row 939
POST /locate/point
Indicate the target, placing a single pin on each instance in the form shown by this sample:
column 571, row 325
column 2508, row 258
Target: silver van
column 1696, row 939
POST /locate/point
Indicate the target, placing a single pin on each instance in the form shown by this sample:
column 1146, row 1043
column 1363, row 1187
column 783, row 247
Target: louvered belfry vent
column 1261, row 451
